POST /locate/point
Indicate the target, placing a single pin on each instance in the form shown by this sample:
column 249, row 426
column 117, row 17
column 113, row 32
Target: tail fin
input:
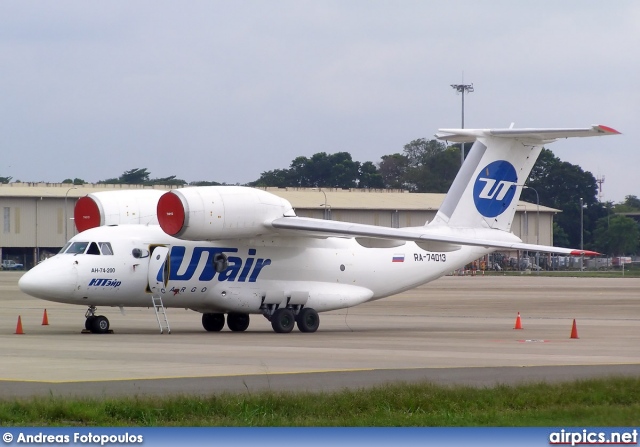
column 486, row 190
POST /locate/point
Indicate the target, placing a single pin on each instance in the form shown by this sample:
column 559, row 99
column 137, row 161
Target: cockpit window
column 105, row 248
column 76, row 248
column 90, row 248
column 93, row 249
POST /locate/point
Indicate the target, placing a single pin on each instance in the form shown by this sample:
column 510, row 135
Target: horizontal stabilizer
column 542, row 135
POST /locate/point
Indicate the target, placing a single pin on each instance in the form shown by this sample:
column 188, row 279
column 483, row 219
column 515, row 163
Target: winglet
column 606, row 129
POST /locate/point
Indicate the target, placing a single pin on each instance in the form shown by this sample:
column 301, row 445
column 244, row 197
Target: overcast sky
column 224, row 90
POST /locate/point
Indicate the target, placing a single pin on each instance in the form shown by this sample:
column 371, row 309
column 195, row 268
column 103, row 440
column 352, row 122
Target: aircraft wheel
column 100, row 325
column 283, row 321
column 88, row 323
column 238, row 322
column 213, row 322
column 308, row 320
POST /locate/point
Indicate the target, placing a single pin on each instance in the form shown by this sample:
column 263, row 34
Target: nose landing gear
column 96, row 324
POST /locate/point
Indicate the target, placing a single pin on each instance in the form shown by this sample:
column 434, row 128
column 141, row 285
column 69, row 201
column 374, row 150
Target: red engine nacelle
column 117, row 207
column 219, row 212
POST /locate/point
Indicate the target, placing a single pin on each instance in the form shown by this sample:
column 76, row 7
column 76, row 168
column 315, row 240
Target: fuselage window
column 105, row 248
column 93, row 249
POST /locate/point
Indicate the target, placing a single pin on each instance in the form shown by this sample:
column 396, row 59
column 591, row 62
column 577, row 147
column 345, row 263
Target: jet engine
column 219, row 212
column 117, row 207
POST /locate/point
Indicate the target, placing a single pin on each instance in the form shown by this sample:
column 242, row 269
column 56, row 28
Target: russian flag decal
column 398, row 258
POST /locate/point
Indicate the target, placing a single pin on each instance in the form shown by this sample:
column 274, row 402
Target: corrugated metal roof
column 358, row 199
column 307, row 198
column 63, row 189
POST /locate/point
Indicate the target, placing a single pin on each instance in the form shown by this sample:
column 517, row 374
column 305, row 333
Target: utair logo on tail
column 494, row 188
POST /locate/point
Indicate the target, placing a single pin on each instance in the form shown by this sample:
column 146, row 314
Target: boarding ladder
column 160, row 310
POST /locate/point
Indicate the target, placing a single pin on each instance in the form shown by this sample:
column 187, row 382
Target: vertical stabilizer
column 487, row 189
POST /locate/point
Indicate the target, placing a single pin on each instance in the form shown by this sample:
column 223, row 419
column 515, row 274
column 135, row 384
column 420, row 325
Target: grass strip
column 600, row 402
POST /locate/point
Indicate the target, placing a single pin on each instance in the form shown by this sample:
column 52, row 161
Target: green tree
column 424, row 166
column 337, row 170
column 369, row 176
column 631, row 204
column 109, row 181
column 617, row 235
column 204, row 183
column 421, row 150
column 171, row 180
column 75, row 181
column 560, row 238
column 136, row 176
column 343, row 171
column 438, row 171
column 140, row 176
column 393, row 170
column 301, row 171
column 5, row 180
column 279, row 178
column 562, row 185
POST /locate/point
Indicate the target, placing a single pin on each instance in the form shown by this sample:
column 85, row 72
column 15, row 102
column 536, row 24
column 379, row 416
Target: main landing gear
column 96, row 324
column 214, row 322
column 282, row 320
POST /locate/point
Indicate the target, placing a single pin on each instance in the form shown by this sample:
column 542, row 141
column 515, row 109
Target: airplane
column 229, row 252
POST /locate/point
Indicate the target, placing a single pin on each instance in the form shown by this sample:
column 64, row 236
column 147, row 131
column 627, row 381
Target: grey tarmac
column 456, row 330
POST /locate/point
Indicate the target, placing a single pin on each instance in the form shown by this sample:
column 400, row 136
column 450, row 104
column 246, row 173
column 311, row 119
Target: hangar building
column 38, row 217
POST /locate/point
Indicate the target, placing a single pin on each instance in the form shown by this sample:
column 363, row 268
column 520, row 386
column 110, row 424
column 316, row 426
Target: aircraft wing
column 305, row 226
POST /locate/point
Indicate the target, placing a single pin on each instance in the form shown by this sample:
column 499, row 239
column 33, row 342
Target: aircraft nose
column 50, row 280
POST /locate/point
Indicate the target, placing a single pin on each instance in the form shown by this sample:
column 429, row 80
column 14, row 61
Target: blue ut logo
column 494, row 188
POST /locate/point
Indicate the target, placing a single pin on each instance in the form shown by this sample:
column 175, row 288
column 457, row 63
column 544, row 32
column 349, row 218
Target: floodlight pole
column 581, row 225
column 582, row 234
column 462, row 88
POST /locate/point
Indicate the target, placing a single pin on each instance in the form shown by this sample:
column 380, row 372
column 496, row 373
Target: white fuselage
column 326, row 273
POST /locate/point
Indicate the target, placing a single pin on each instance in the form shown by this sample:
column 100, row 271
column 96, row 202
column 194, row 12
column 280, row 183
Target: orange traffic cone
column 45, row 319
column 19, row 326
column 518, row 322
column 574, row 330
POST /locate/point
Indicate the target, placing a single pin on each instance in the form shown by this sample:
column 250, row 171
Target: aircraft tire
column 213, row 322
column 308, row 320
column 100, row 324
column 237, row 322
column 283, row 320
column 88, row 323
